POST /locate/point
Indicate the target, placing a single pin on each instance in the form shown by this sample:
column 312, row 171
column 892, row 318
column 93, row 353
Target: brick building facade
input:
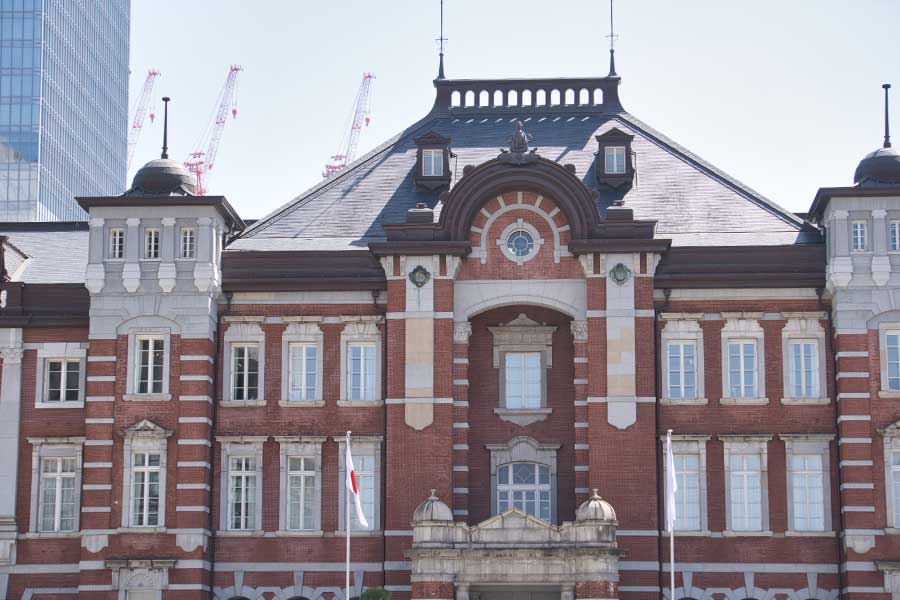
column 507, row 333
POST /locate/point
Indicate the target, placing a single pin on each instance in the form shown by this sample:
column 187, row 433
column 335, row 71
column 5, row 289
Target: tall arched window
column 526, row 486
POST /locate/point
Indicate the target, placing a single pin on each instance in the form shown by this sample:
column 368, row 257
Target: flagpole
column 347, row 528
column 670, row 477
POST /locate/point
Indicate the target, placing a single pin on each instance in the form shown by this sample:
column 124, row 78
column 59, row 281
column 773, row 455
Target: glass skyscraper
column 63, row 105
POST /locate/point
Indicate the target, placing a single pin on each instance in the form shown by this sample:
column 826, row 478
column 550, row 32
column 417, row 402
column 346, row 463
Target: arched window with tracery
column 526, row 486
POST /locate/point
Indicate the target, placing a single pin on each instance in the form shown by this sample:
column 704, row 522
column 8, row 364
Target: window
column 682, row 370
column 894, row 237
column 523, row 379
column 242, row 492
column 361, row 371
column 302, row 493
column 892, row 360
column 742, row 369
column 894, row 482
column 615, row 160
column 151, row 243
column 244, row 372
column 367, row 464
column 188, row 242
column 364, row 465
column 746, row 492
column 432, row 162
column 150, row 362
column 808, row 491
column 858, row 236
column 145, row 480
column 303, row 372
column 58, row 495
column 804, row 369
column 63, row 377
column 520, row 243
column 117, row 243
column 525, row 486
column 687, row 497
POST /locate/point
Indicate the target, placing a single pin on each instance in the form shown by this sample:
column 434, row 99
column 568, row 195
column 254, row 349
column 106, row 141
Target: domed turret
column 432, row 510
column 165, row 177
column 595, row 508
column 881, row 167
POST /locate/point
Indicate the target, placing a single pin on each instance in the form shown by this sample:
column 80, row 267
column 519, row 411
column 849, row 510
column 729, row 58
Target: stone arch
column 564, row 296
column 558, row 249
column 148, row 322
column 543, row 177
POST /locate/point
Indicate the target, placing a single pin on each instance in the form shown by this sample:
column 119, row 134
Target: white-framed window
column 55, row 484
column 145, row 491
column 743, row 362
column 803, row 341
column 746, row 483
column 241, row 482
column 117, row 243
column 244, row 372
column 808, row 482
column 188, row 247
column 367, row 465
column 523, row 476
column 58, row 503
column 682, row 370
column 526, row 486
column 893, row 480
column 301, row 483
column 151, row 243
column 890, row 360
column 615, row 160
column 894, row 236
column 682, row 359
column 60, row 375
column 858, row 236
column 301, row 371
column 242, row 492
column 804, row 368
column 523, row 372
column 150, row 364
column 361, row 362
column 144, row 477
column 689, row 453
column 361, row 371
column 432, row 162
column 244, row 368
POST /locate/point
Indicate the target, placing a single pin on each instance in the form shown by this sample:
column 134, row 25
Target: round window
column 520, row 243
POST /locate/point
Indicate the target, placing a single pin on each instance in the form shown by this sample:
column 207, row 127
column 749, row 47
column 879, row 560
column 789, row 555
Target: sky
column 783, row 95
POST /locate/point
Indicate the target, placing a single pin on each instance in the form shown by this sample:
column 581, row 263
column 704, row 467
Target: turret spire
column 887, row 125
column 441, row 41
column 612, row 43
column 165, row 149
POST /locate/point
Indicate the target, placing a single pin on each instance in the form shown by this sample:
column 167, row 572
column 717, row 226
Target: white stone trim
column 305, row 446
column 683, row 330
column 244, row 333
column 60, row 350
column 364, row 331
column 747, row 444
column 737, row 330
column 46, row 447
column 240, row 446
column 808, row 444
column 519, row 224
column 144, row 436
column 558, row 249
column 301, row 333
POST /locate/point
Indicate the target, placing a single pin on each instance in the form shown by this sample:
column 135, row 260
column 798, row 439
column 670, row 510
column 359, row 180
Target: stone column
column 462, row 591
column 10, row 411
column 881, row 264
column 840, row 268
column 166, row 273
column 95, row 275
column 131, row 270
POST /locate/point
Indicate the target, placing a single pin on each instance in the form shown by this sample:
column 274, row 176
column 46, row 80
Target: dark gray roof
column 57, row 252
column 694, row 203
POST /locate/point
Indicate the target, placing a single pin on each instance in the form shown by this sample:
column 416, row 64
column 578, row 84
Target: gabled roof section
column 694, row 203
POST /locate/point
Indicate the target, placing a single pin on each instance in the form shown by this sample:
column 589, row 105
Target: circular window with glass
column 520, row 243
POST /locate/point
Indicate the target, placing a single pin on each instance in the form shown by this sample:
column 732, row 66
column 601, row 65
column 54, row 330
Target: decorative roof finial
column 441, row 41
column 887, row 125
column 612, row 43
column 165, row 149
column 519, row 153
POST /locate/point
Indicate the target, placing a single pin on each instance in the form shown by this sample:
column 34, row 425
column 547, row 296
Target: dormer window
column 432, row 161
column 615, row 162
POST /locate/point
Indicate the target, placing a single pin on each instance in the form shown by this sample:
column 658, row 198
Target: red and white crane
column 360, row 116
column 140, row 111
column 202, row 160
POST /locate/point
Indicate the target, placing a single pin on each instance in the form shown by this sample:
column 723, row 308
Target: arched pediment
column 540, row 176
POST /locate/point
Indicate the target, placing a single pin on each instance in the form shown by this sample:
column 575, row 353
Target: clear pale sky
column 783, row 95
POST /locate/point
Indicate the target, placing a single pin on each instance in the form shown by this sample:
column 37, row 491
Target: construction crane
column 202, row 160
column 360, row 116
column 140, row 111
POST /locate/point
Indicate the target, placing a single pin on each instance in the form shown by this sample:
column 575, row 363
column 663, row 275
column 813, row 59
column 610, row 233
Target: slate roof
column 694, row 203
column 57, row 252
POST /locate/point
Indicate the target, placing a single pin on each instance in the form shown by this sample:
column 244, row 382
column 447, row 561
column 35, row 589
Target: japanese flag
column 352, row 488
column 671, row 484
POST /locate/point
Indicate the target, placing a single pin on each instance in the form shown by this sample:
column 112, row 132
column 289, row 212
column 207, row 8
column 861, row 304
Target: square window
column 151, row 243
column 523, row 379
column 615, row 160
column 188, row 242
column 63, row 380
column 432, row 162
column 117, row 243
column 858, row 236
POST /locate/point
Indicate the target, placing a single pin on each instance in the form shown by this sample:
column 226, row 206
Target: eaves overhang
column 220, row 203
column 824, row 195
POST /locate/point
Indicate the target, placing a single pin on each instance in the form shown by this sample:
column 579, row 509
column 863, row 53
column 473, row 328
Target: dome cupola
column 163, row 176
column 595, row 508
column 881, row 167
column 432, row 510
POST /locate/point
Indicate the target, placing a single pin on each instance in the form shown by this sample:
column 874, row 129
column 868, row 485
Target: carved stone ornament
column 519, row 153
column 419, row 276
column 461, row 332
column 11, row 355
column 580, row 331
column 620, row 274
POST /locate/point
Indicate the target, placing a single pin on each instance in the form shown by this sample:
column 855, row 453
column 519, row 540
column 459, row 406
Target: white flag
column 352, row 488
column 671, row 484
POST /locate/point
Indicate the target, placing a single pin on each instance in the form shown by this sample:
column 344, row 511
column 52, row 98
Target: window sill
column 678, row 534
column 300, row 533
column 241, row 403
column 240, row 533
column 301, row 403
column 360, row 403
column 147, row 397
column 141, row 530
column 747, row 534
column 64, row 404
column 744, row 401
column 185, row 260
column 150, row 260
column 805, row 401
column 889, row 394
column 818, row 534
column 523, row 416
column 691, row 402
column 37, row 535
column 360, row 533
